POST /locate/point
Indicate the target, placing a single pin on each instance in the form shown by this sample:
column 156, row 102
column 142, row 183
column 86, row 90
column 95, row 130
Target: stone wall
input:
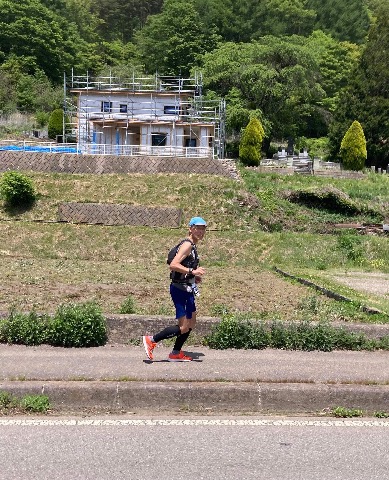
column 100, row 164
column 118, row 214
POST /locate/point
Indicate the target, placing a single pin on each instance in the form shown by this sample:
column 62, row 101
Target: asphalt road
column 193, row 448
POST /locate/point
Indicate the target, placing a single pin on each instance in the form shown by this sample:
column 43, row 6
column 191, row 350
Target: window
column 171, row 110
column 123, row 108
column 106, row 107
column 190, row 142
column 158, row 139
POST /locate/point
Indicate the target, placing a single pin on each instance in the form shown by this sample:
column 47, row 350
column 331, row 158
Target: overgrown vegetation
column 314, row 204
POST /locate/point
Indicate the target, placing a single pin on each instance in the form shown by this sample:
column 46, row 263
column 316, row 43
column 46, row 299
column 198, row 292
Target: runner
column 185, row 274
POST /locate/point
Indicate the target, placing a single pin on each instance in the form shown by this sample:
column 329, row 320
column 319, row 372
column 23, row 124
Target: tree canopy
column 306, row 68
column 171, row 41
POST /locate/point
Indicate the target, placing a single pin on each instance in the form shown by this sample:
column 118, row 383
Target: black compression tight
column 181, row 339
column 168, row 332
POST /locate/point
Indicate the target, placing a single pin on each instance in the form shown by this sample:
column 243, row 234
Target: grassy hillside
column 254, row 225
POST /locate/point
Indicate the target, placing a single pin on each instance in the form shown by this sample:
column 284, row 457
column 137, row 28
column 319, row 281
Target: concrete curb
column 122, row 328
column 203, row 397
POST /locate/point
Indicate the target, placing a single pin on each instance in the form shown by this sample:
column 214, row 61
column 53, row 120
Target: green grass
column 252, row 227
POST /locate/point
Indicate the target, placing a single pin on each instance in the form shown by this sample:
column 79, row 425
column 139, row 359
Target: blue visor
column 197, row 221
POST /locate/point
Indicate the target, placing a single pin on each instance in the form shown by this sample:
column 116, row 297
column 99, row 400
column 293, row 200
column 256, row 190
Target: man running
column 185, row 274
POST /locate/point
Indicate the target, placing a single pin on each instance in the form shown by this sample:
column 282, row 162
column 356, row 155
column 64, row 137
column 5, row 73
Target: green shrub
column 128, row 306
column 251, row 143
column 78, row 325
column 381, row 414
column 353, row 148
column 25, row 329
column 16, row 189
column 55, row 126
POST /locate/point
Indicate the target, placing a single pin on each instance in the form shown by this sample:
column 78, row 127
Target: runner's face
column 198, row 231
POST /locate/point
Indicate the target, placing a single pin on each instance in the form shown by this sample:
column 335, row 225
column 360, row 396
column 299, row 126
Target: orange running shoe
column 179, row 357
column 149, row 346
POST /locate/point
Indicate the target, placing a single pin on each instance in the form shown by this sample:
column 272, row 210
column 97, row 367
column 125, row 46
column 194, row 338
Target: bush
column 232, row 332
column 79, row 325
column 25, row 329
column 17, row 189
column 325, row 198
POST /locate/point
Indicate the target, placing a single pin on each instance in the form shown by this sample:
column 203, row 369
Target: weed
column 35, row 403
column 346, row 412
column 219, row 309
column 352, row 246
column 28, row 403
column 7, row 400
column 128, row 306
column 381, row 414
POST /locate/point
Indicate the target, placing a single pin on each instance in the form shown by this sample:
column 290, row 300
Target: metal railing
column 106, row 149
column 137, row 150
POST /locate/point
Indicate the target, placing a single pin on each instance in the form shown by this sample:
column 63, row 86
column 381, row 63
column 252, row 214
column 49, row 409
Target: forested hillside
column 306, row 68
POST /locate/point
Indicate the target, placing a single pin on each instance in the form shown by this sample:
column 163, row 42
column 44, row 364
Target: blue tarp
column 28, row 148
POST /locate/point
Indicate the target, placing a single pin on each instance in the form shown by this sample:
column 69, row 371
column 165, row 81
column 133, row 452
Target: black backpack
column 173, row 252
column 189, row 261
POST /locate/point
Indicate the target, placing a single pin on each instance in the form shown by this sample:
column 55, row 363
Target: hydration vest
column 191, row 261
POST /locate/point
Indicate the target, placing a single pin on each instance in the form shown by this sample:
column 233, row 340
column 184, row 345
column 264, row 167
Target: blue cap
column 197, row 221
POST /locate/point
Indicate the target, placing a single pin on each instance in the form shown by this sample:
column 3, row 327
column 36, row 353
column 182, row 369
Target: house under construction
column 154, row 115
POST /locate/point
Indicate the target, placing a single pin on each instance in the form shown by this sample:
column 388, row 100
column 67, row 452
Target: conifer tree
column 55, row 126
column 251, row 143
column 353, row 148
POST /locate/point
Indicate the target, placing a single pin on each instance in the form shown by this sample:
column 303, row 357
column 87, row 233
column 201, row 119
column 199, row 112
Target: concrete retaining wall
column 100, row 164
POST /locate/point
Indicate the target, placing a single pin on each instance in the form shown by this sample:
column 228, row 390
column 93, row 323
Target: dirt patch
column 375, row 283
column 244, row 290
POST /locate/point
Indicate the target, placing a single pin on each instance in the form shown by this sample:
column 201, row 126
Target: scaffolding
column 153, row 115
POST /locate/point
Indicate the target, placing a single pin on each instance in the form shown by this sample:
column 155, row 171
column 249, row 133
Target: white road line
column 194, row 422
